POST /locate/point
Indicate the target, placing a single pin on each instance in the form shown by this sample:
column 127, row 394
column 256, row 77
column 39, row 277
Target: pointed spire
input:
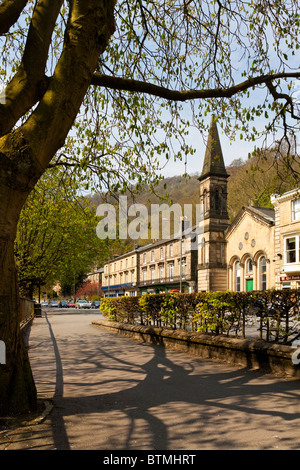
column 213, row 161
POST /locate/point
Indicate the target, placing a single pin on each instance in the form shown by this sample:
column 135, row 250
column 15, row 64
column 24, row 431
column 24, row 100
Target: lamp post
column 182, row 218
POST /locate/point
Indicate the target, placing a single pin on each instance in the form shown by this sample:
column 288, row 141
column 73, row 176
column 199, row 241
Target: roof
column 213, row 160
column 265, row 215
column 268, row 214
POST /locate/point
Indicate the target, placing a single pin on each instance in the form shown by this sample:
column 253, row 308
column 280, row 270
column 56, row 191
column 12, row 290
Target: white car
column 82, row 304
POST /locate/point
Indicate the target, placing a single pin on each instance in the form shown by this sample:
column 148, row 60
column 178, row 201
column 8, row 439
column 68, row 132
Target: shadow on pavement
column 150, row 396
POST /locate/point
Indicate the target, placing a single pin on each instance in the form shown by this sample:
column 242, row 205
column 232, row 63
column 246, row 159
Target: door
column 249, row 285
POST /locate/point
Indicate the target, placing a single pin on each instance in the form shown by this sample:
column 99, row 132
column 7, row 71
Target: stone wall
column 252, row 354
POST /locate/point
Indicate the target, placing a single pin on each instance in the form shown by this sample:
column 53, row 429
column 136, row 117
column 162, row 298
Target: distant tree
column 88, row 290
column 56, row 238
column 253, row 183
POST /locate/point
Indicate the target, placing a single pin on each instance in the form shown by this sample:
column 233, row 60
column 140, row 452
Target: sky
column 231, row 151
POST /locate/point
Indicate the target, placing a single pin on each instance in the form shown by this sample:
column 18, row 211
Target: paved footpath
column 115, row 393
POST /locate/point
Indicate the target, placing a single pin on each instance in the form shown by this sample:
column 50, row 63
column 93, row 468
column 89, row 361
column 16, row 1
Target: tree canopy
column 236, row 59
column 56, row 239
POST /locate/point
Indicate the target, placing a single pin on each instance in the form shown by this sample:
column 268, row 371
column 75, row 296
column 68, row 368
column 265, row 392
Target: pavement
column 117, row 395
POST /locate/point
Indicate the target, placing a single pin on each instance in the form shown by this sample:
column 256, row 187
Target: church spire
column 213, row 161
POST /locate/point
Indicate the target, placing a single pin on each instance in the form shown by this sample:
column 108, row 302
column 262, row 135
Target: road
column 115, row 393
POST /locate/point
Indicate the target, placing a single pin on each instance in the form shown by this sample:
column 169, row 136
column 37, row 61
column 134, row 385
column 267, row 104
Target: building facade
column 120, row 275
column 212, row 269
column 162, row 266
column 168, row 265
column 287, row 239
column 250, row 250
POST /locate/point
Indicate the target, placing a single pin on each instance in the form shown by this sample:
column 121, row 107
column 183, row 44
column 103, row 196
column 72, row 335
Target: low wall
column 252, row 354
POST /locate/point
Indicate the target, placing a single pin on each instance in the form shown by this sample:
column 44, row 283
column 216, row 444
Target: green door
column 249, row 285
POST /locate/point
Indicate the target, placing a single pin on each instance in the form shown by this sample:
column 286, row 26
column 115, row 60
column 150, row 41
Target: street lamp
column 182, row 219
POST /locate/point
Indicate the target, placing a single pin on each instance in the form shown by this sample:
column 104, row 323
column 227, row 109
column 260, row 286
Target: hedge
column 273, row 315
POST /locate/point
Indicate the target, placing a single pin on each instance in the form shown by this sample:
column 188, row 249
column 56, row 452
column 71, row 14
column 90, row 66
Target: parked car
column 52, row 303
column 95, row 304
column 44, row 304
column 63, row 304
column 71, row 304
column 82, row 304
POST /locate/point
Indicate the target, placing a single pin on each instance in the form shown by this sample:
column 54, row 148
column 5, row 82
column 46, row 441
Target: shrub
column 277, row 312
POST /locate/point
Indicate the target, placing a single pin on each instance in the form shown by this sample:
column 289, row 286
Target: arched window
column 217, row 200
column 205, row 201
column 263, row 273
column 249, row 266
column 237, row 276
column 202, row 251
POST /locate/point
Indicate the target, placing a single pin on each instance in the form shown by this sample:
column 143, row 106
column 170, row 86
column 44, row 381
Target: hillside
column 250, row 183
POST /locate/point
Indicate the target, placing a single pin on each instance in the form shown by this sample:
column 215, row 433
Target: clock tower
column 212, row 267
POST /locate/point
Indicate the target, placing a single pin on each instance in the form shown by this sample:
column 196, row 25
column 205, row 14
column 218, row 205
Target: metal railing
column 164, row 280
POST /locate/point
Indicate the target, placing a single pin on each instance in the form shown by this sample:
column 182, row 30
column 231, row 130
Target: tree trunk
column 26, row 152
column 17, row 388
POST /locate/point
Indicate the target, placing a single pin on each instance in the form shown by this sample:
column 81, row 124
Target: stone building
column 162, row 266
column 168, row 265
column 287, row 239
column 250, row 250
column 120, row 275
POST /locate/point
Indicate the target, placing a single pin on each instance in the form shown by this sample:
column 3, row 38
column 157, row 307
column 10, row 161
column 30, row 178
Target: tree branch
column 10, row 11
column 118, row 83
column 89, row 29
column 29, row 83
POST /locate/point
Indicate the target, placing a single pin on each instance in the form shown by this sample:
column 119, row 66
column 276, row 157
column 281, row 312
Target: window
column 290, row 250
column 292, row 253
column 237, row 276
column 171, row 270
column 152, row 275
column 263, row 273
column 296, row 210
column 161, row 253
column 182, row 246
column 145, row 258
column 144, row 275
column 217, row 200
column 171, row 250
column 183, row 266
column 161, row 273
column 249, row 266
column 202, row 251
column 152, row 255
